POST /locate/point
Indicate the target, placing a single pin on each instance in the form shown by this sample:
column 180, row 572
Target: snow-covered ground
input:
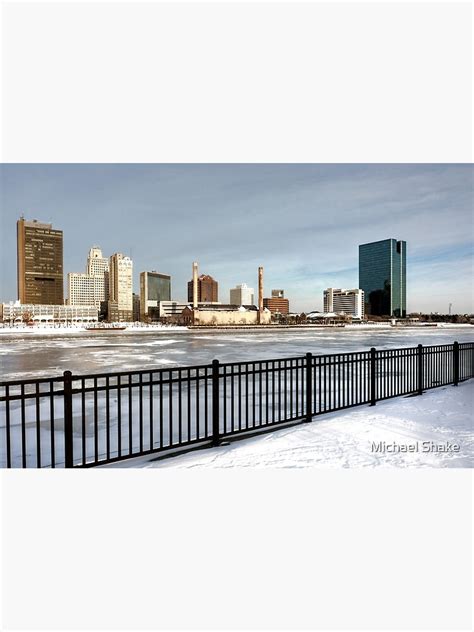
column 79, row 328
column 438, row 425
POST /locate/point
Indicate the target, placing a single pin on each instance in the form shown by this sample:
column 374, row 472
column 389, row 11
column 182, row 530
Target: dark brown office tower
column 39, row 263
column 207, row 289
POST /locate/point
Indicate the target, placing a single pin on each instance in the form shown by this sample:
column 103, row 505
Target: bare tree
column 26, row 317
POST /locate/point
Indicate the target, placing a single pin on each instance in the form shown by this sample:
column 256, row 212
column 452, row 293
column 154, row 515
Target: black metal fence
column 86, row 420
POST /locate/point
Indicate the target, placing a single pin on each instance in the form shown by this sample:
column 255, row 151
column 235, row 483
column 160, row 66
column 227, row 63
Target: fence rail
column 87, row 420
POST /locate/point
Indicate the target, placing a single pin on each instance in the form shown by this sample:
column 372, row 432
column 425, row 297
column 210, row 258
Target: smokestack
column 195, row 284
column 260, row 294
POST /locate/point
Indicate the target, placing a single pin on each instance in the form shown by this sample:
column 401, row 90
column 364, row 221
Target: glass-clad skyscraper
column 382, row 276
column 154, row 287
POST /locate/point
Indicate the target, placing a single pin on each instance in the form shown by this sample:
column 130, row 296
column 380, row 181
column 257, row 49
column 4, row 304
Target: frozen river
column 26, row 355
column 114, row 416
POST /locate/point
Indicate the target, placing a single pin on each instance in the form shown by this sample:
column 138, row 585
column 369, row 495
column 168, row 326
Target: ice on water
column 334, row 440
column 24, row 356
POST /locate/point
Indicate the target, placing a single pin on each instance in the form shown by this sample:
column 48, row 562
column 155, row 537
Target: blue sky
column 303, row 223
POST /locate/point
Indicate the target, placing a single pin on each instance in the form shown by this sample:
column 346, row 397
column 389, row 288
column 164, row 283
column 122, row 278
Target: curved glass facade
column 382, row 276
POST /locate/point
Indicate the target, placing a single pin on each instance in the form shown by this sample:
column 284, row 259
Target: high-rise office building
column 97, row 265
column 277, row 304
column 91, row 288
column 382, row 277
column 82, row 289
column 39, row 263
column 350, row 302
column 207, row 290
column 154, row 287
column 120, row 304
column 242, row 295
column 136, row 308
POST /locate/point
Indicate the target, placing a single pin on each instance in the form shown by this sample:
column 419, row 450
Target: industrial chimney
column 260, row 295
column 195, row 284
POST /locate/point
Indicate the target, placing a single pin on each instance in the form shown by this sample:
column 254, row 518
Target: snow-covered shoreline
column 431, row 430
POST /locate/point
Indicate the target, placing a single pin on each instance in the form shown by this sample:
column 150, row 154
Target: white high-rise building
column 120, row 288
column 242, row 295
column 79, row 289
column 91, row 288
column 96, row 264
column 339, row 301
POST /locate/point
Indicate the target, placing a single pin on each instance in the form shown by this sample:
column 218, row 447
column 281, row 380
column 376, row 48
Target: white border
column 237, row 82
column 237, row 549
column 81, row 85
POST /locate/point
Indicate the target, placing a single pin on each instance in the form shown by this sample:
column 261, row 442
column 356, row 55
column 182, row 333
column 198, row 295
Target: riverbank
column 432, row 430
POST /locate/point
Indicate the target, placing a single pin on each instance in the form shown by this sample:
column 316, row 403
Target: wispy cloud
column 302, row 222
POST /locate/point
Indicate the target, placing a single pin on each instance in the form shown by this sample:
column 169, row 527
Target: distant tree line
column 301, row 319
column 444, row 318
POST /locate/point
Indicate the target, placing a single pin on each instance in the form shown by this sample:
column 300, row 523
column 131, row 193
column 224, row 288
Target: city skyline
column 302, row 222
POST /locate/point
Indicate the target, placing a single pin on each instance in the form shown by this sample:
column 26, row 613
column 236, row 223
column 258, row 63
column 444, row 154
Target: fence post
column 309, row 389
column 456, row 363
column 68, row 435
column 373, row 359
column 215, row 402
column 420, row 370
